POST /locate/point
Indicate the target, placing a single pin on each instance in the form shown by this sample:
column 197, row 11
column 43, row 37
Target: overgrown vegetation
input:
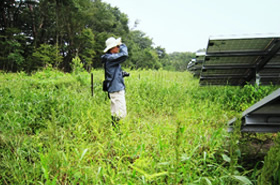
column 53, row 131
column 270, row 173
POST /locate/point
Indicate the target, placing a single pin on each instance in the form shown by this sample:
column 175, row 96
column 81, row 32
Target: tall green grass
column 53, row 131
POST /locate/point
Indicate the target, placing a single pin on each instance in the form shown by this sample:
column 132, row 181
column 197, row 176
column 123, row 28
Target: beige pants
column 118, row 105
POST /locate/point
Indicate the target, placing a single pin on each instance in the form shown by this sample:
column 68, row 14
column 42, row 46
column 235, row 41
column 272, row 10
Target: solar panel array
column 264, row 116
column 195, row 65
column 238, row 61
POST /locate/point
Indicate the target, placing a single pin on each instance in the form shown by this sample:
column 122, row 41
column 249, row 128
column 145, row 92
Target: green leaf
column 243, row 179
column 84, row 153
column 207, row 181
column 148, row 176
column 226, row 158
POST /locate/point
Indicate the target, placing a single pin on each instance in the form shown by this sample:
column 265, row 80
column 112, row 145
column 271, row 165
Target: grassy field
column 52, row 131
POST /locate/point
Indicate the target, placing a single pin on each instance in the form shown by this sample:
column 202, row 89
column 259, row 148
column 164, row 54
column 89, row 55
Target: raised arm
column 118, row 57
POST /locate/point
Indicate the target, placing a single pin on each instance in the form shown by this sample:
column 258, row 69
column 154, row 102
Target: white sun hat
column 112, row 42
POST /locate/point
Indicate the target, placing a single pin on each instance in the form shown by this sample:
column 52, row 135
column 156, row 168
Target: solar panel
column 266, row 80
column 228, row 60
column 270, row 73
column 238, row 45
column 241, row 57
column 230, row 72
column 200, row 57
column 274, row 60
column 264, row 116
column 191, row 64
column 195, row 65
column 219, row 81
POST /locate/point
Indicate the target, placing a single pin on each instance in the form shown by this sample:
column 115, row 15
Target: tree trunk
column 33, row 22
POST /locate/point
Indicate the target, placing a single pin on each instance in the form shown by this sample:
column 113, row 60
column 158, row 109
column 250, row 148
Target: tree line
column 39, row 33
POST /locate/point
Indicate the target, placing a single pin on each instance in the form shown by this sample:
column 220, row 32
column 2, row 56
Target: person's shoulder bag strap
column 112, row 77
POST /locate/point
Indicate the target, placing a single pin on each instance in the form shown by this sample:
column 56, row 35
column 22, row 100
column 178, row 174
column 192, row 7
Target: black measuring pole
column 91, row 84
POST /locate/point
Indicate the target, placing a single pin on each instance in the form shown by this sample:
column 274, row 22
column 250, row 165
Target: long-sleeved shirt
column 113, row 70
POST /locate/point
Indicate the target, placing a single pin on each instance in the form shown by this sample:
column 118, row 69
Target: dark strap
column 112, row 77
column 105, row 70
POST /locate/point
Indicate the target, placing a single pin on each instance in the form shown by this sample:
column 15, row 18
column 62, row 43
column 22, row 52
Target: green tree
column 85, row 48
column 11, row 54
column 141, row 39
column 179, row 60
column 161, row 52
column 106, row 22
column 46, row 55
column 141, row 53
column 35, row 32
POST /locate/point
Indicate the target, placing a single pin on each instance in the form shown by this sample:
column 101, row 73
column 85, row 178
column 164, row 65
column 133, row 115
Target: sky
column 186, row 25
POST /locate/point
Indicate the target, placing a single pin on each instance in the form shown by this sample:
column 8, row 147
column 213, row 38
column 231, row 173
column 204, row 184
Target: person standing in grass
column 115, row 54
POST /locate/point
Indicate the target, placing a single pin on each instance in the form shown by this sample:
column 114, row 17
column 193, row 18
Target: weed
column 53, row 131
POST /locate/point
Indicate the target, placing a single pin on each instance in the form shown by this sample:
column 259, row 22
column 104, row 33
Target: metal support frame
column 274, row 48
column 257, row 60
